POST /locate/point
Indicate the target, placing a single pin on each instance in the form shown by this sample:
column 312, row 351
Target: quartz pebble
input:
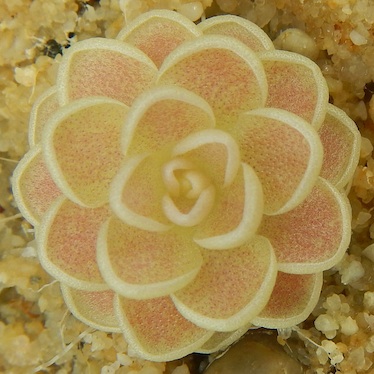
column 353, row 272
column 369, row 301
column 257, row 353
column 357, row 38
column 349, row 326
column 298, row 41
column 326, row 324
column 193, row 10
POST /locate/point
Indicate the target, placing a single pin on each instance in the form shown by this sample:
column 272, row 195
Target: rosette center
column 190, row 194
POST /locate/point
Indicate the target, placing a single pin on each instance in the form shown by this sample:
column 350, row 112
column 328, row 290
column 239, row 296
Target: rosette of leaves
column 187, row 181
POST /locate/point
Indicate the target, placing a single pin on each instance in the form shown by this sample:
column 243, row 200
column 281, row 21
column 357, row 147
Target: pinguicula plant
column 186, row 182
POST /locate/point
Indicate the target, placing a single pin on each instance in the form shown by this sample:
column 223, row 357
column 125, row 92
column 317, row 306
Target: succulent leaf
column 296, row 84
column 162, row 116
column 246, row 32
column 104, row 67
column 67, row 244
column 341, row 141
column 33, row 187
column 231, row 78
column 209, row 302
column 81, row 146
column 158, row 33
column 292, row 300
column 42, row 109
column 221, row 340
column 156, row 330
column 285, row 152
column 95, row 308
column 313, row 236
column 141, row 264
column 237, row 213
column 133, row 200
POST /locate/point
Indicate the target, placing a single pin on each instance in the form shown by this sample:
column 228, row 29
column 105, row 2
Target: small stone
column 366, row 147
column 25, row 76
column 29, row 251
column 363, row 217
column 369, row 301
column 52, row 48
column 88, row 338
column 256, row 353
column 228, row 5
column 349, row 326
column 192, row 11
column 357, row 38
column 369, row 347
column 357, row 358
column 100, row 341
column 368, row 252
column 369, row 319
column 352, row 273
column 332, row 303
column 333, row 351
column 325, row 323
column 298, row 41
column 124, row 359
column 345, row 308
column 336, row 358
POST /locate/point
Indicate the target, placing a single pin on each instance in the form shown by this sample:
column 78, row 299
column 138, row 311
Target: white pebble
column 124, row 360
column 352, row 273
column 349, row 326
column 363, row 217
column 298, row 41
column 345, row 308
column 228, row 6
column 333, row 303
column 336, row 358
column 369, row 319
column 360, row 111
column 357, row 38
column 192, row 11
column 29, row 251
column 325, row 323
column 369, row 300
column 347, row 9
column 368, row 252
column 88, row 338
column 329, row 346
column 25, row 76
column 330, row 334
column 333, row 352
column 366, row 147
column 357, row 357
